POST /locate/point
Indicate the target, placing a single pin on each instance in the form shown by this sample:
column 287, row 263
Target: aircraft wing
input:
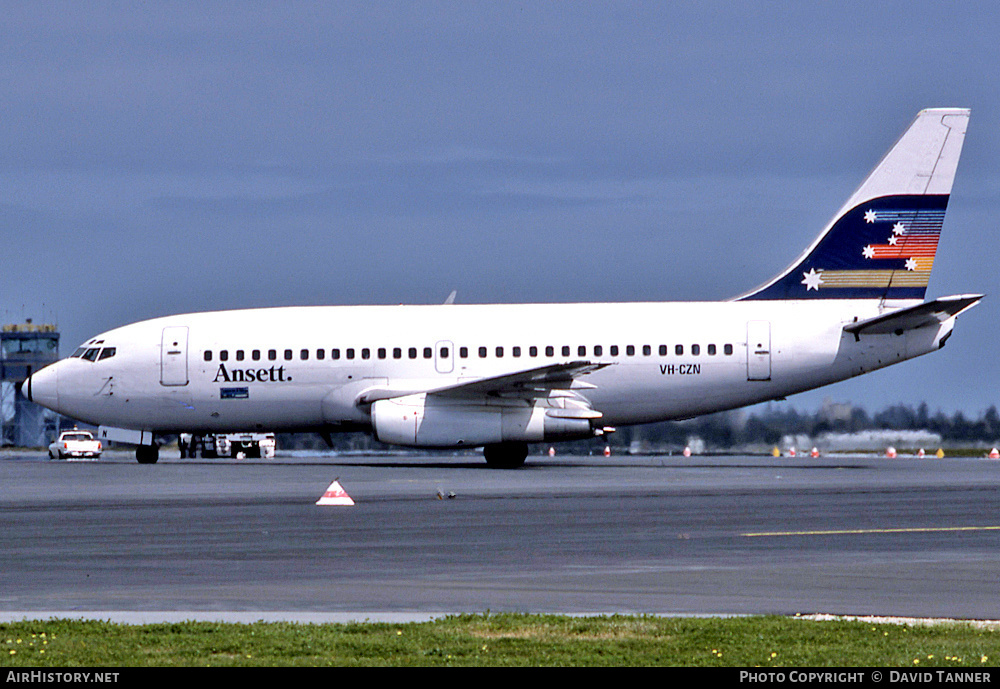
column 532, row 382
column 928, row 313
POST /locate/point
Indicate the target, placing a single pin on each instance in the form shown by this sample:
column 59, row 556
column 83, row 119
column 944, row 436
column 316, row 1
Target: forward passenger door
column 173, row 356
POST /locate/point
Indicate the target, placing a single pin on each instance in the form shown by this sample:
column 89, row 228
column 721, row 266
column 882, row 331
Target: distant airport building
column 25, row 348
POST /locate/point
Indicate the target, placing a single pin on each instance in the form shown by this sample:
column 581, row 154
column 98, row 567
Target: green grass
column 507, row 639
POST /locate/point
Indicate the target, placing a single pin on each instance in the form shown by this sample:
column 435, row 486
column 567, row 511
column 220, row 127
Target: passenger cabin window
column 696, row 349
column 463, row 352
column 255, row 355
column 598, row 350
column 207, row 356
column 711, row 350
column 482, row 352
column 630, row 350
column 679, row 350
column 663, row 350
column 550, row 351
column 239, row 355
column 646, row 350
column 272, row 354
column 224, row 355
column 614, row 350
column 727, row 349
column 428, row 352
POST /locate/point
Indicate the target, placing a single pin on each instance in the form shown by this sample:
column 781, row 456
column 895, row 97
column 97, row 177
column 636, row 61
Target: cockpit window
column 91, row 354
column 78, row 353
column 106, row 353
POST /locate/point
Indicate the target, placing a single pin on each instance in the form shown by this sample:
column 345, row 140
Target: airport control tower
column 25, row 348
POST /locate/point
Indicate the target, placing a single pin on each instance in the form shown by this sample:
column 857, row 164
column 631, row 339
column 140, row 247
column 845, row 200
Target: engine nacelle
column 422, row 421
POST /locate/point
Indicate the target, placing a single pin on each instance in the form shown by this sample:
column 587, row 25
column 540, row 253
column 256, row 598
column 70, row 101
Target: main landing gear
column 506, row 455
column 147, row 454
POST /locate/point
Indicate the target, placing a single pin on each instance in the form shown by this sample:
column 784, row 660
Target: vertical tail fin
column 882, row 243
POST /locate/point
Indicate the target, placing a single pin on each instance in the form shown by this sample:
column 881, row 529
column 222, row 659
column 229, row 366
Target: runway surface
column 220, row 539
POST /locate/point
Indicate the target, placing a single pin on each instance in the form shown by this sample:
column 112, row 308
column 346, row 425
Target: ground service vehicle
column 75, row 444
column 236, row 445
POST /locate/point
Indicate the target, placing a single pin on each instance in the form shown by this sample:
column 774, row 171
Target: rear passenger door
column 758, row 350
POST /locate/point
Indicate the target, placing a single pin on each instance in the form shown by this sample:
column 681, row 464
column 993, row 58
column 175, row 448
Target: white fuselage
column 309, row 368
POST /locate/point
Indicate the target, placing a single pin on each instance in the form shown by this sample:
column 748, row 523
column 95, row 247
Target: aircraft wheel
column 506, row 455
column 147, row 454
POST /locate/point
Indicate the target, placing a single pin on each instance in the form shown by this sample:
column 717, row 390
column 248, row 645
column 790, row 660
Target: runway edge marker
column 336, row 495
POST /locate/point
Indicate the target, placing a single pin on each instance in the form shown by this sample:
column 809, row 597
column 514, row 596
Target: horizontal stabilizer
column 929, row 313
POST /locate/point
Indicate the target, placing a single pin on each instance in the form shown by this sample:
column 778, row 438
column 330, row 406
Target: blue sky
column 169, row 157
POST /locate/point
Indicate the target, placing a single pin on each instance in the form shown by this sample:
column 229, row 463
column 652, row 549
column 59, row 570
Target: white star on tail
column 898, row 228
column 870, row 216
column 911, row 264
column 812, row 279
column 868, row 251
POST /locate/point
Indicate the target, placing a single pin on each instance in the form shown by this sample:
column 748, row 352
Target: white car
column 75, row 444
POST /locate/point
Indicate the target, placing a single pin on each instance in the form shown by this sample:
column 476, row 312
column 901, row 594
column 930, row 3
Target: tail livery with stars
column 502, row 376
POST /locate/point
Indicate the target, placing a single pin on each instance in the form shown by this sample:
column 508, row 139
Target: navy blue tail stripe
column 882, row 248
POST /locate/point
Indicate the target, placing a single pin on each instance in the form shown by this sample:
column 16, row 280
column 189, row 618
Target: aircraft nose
column 42, row 387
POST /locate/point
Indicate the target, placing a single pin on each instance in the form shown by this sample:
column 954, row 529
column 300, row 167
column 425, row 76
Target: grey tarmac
column 431, row 535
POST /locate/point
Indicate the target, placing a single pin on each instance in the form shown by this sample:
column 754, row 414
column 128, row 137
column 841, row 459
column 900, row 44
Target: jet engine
column 430, row 421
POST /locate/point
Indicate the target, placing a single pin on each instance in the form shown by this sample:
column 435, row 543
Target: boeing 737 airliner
column 502, row 376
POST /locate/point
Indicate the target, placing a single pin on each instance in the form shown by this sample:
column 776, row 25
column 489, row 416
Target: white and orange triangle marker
column 335, row 495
